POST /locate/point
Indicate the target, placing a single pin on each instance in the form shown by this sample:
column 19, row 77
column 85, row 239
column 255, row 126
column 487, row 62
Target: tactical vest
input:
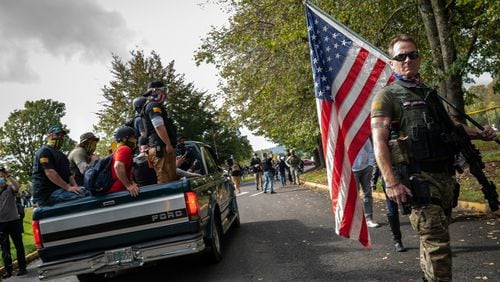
column 419, row 113
column 150, row 131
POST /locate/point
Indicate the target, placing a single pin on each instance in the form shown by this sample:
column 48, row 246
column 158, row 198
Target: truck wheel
column 87, row 277
column 236, row 222
column 215, row 253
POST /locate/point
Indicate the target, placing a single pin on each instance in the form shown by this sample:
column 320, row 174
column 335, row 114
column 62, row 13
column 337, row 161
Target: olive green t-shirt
column 383, row 104
column 78, row 159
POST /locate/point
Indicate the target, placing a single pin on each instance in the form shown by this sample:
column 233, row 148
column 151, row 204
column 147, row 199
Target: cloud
column 14, row 66
column 60, row 28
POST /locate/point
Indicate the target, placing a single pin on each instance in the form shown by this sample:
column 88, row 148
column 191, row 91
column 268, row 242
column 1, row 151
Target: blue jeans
column 283, row 178
column 363, row 178
column 268, row 179
column 61, row 195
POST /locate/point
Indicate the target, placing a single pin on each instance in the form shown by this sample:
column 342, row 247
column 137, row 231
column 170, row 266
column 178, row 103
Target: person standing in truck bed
column 161, row 132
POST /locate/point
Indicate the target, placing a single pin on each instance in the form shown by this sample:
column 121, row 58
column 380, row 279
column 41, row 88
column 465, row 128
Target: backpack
column 294, row 160
column 235, row 170
column 97, row 179
column 144, row 174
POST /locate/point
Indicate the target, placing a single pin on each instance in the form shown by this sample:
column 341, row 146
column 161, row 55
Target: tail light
column 192, row 207
column 36, row 234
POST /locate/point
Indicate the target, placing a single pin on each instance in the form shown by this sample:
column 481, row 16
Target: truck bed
column 88, row 225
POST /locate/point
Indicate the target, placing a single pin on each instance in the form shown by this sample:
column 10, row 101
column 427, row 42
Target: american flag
column 347, row 72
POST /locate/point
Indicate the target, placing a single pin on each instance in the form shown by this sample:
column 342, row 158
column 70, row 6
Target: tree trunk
column 435, row 17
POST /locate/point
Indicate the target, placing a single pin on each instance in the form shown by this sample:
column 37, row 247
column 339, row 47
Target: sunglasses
column 402, row 57
column 164, row 89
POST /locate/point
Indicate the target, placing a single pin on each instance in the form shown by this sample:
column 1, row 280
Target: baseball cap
column 87, row 136
column 57, row 129
column 153, row 85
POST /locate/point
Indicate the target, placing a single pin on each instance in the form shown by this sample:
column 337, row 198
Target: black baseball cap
column 153, row 85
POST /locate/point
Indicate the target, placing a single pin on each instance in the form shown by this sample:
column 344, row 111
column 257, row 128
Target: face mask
column 90, row 147
column 158, row 97
column 131, row 144
column 55, row 143
column 3, row 181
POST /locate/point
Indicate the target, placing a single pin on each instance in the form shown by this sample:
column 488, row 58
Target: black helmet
column 124, row 131
column 139, row 103
column 143, row 140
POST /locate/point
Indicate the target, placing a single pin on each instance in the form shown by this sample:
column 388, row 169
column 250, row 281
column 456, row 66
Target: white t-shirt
column 365, row 157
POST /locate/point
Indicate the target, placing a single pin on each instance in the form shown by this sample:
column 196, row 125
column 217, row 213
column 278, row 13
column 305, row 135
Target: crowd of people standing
column 268, row 169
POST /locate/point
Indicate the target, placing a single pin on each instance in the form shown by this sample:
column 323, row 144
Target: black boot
column 396, row 232
column 7, row 274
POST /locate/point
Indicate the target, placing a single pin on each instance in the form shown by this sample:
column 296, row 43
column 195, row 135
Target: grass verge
column 29, row 244
column 470, row 189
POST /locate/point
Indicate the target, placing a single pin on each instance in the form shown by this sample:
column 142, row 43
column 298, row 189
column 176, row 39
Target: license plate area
column 119, row 256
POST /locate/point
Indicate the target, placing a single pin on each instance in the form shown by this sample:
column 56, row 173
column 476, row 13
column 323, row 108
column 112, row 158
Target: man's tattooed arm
column 378, row 124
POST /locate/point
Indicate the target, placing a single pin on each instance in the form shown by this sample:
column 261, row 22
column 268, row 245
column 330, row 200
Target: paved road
column 289, row 236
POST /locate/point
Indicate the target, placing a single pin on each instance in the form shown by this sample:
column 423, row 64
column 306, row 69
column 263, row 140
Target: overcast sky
column 61, row 49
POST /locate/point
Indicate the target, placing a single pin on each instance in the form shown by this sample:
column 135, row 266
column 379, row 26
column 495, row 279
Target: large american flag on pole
column 347, row 72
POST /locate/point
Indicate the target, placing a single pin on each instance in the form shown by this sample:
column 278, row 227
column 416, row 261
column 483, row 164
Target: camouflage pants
column 431, row 223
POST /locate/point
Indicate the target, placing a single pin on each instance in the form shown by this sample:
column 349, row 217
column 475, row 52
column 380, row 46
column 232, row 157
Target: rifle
column 462, row 142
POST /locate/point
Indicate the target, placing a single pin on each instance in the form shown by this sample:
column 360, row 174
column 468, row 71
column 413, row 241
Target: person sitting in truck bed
column 184, row 173
column 189, row 162
column 52, row 182
column 144, row 173
column 121, row 164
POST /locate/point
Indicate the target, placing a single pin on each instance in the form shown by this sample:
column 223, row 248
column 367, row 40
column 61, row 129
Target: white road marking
column 253, row 195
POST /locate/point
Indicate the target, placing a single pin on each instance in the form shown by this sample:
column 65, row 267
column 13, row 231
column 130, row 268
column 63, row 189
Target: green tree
column 130, row 79
column 481, row 97
column 263, row 55
column 192, row 111
column 25, row 131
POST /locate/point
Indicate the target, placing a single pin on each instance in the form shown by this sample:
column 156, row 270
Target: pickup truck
column 99, row 235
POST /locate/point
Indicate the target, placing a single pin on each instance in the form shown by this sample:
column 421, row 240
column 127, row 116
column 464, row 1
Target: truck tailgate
column 77, row 228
